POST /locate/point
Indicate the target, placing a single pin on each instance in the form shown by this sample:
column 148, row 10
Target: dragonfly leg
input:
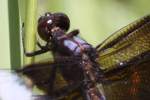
column 73, row 33
column 34, row 53
column 43, row 49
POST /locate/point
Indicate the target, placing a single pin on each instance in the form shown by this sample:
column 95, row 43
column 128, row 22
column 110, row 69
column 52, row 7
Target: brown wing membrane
column 134, row 87
column 47, row 77
column 128, row 45
column 126, row 56
column 44, row 75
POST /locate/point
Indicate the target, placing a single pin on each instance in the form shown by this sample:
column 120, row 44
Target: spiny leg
column 43, row 49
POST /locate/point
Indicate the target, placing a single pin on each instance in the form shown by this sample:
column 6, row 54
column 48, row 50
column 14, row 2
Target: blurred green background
column 96, row 19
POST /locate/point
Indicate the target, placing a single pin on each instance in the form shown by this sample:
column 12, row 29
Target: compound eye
column 62, row 21
column 45, row 17
column 41, row 19
column 44, row 30
column 49, row 22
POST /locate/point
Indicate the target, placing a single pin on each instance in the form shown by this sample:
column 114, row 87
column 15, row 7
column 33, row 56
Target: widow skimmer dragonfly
column 117, row 69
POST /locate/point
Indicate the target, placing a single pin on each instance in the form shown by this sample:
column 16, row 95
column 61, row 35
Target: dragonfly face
column 120, row 63
column 47, row 22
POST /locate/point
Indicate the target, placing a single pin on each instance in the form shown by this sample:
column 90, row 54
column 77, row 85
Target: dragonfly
column 116, row 69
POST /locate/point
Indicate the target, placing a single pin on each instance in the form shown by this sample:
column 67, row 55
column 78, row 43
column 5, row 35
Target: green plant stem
column 30, row 29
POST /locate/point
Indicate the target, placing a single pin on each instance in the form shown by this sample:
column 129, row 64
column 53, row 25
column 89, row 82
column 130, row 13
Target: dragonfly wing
column 42, row 74
column 129, row 44
column 47, row 77
column 125, row 59
column 135, row 86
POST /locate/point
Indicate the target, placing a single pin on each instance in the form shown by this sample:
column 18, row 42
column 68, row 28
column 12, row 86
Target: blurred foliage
column 15, row 55
column 30, row 28
column 4, row 31
column 9, row 40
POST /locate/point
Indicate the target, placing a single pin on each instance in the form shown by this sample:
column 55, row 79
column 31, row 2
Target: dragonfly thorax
column 72, row 46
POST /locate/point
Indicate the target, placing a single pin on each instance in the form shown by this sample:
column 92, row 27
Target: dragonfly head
column 48, row 21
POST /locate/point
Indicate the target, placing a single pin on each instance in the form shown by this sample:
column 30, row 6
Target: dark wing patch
column 48, row 78
column 44, row 76
column 134, row 87
column 128, row 45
